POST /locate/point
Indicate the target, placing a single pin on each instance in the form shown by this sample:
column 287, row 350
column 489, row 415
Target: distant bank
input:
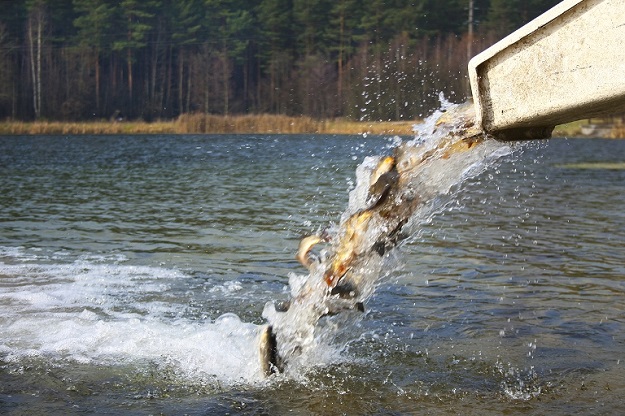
column 257, row 124
column 212, row 124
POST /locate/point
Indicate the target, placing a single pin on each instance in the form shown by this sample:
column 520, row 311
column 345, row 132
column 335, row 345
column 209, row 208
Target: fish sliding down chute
column 393, row 196
column 537, row 77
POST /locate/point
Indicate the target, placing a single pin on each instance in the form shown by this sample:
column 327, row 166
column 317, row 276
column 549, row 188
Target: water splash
column 394, row 196
column 99, row 311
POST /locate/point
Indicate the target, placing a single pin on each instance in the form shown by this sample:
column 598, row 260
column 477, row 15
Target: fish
column 270, row 361
column 378, row 228
column 305, row 246
column 345, row 274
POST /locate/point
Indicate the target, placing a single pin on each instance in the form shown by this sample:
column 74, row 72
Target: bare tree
column 6, row 72
column 35, row 28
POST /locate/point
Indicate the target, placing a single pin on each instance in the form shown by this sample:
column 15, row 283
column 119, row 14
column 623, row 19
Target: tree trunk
column 129, row 58
column 188, row 101
column 206, row 93
column 272, row 84
column 39, row 43
column 340, row 59
column 258, row 102
column 97, row 80
column 166, row 101
column 33, row 69
column 180, row 81
column 155, row 58
column 469, row 44
column 35, row 43
column 245, row 83
column 226, row 81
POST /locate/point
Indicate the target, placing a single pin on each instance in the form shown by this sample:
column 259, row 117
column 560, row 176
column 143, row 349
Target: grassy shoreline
column 211, row 124
column 243, row 124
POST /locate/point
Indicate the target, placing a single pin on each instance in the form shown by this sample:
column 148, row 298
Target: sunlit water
column 134, row 270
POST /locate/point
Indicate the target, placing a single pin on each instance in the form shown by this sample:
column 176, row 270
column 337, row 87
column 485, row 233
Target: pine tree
column 343, row 35
column 6, row 73
column 137, row 22
column 277, row 50
column 94, row 25
column 189, row 32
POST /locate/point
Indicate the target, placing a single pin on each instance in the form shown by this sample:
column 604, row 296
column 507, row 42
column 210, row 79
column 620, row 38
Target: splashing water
column 123, row 260
column 101, row 311
column 110, row 314
column 393, row 196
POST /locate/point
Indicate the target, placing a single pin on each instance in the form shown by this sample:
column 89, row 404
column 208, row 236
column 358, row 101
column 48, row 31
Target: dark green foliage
column 504, row 16
column 370, row 60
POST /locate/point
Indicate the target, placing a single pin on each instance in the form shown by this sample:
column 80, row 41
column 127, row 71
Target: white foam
column 104, row 314
column 225, row 349
column 97, row 310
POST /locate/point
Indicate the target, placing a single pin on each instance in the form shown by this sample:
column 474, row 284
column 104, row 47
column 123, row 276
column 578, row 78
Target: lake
column 134, row 270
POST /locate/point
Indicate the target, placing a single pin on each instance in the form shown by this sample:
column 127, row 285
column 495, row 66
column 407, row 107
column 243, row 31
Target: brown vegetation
column 212, row 124
column 95, row 127
column 615, row 128
column 198, row 123
column 618, row 130
column 573, row 129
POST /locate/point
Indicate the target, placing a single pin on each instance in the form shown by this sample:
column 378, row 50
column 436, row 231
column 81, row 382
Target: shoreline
column 211, row 124
column 252, row 124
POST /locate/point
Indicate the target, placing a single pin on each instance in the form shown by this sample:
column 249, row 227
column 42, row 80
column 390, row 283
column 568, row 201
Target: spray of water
column 393, row 197
column 100, row 311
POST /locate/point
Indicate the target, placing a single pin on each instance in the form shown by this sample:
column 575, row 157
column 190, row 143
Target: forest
column 151, row 60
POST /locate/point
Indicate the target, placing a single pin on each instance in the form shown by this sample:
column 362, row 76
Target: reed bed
column 618, row 130
column 573, row 129
column 211, row 124
column 80, row 128
column 400, row 128
column 279, row 124
column 249, row 124
column 614, row 129
column 262, row 123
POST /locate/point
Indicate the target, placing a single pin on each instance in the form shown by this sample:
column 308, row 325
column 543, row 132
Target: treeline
column 157, row 59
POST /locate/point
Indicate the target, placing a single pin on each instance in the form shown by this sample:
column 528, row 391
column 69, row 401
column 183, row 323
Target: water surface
column 133, row 273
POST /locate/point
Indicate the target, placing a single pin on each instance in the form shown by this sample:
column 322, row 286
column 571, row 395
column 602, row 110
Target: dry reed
column 573, row 129
column 78, row 128
column 615, row 128
column 618, row 131
column 250, row 124
column 262, row 123
column 211, row 124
